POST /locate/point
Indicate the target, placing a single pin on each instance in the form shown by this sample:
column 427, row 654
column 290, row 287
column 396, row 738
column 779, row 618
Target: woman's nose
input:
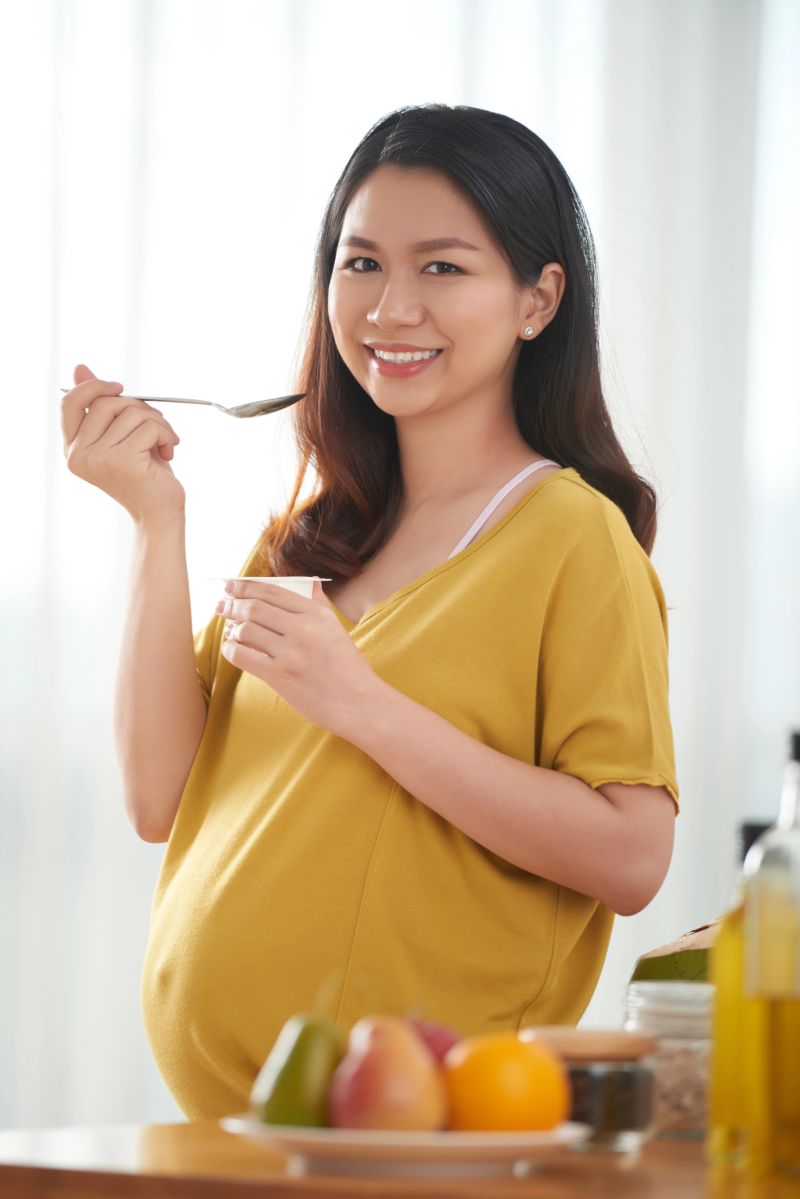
column 397, row 304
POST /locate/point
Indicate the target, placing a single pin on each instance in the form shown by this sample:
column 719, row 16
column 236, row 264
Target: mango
column 292, row 1085
column 387, row 1079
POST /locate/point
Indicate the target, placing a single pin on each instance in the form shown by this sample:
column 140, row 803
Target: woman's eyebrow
column 436, row 243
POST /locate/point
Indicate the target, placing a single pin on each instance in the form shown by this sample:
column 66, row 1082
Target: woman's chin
column 401, row 397
column 402, row 406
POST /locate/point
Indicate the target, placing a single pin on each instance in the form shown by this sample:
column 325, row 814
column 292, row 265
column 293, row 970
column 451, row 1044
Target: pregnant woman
column 432, row 784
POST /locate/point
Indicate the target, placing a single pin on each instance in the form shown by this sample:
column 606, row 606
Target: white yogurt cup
column 299, row 584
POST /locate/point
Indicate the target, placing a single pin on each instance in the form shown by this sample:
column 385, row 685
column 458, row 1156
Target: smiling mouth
column 404, row 356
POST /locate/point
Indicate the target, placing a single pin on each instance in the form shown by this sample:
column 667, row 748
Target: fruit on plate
column 292, row 1085
column 388, row 1079
column 496, row 1082
column 438, row 1037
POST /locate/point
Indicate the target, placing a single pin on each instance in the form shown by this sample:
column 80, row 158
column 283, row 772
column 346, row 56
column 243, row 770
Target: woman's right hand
column 122, row 446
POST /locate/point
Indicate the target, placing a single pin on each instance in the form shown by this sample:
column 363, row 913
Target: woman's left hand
column 301, row 649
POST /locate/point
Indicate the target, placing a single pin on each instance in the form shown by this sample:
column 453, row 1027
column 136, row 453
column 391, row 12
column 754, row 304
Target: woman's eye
column 449, row 267
column 351, row 265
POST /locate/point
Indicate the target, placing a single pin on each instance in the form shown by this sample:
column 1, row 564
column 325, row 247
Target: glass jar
column 678, row 1015
column 611, row 1077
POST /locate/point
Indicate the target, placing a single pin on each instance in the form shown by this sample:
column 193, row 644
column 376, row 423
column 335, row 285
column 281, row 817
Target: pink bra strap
column 473, row 530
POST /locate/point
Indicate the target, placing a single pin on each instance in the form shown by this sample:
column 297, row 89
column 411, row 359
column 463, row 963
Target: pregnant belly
column 258, row 896
column 231, row 955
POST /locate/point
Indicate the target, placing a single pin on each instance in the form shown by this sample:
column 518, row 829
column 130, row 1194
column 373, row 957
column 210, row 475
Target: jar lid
column 670, row 1009
column 591, row 1044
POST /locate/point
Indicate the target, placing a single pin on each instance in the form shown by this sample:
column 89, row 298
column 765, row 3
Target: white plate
column 407, row 1154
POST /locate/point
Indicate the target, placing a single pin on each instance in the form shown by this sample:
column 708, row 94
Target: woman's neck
column 457, row 457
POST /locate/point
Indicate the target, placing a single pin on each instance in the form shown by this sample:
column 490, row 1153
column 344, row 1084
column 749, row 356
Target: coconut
column 686, row 959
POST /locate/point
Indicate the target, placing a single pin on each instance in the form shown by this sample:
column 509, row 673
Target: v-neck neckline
column 351, row 625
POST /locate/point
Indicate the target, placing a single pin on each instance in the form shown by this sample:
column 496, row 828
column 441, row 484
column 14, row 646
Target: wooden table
column 201, row 1160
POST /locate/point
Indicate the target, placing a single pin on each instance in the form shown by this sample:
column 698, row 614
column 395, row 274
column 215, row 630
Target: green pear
column 292, row 1085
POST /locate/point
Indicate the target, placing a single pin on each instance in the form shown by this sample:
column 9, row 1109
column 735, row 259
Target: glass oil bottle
column 755, row 966
column 771, row 975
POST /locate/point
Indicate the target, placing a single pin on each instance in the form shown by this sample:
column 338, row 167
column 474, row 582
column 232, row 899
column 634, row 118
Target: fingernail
column 221, row 606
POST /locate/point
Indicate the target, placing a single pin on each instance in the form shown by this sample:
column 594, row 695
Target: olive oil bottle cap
column 794, row 745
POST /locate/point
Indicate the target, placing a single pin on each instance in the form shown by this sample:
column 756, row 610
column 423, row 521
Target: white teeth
column 405, row 356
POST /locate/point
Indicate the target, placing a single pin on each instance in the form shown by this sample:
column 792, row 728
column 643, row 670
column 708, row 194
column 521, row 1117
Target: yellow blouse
column 300, row 876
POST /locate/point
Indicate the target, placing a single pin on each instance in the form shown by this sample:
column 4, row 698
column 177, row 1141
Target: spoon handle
column 175, row 400
column 164, row 400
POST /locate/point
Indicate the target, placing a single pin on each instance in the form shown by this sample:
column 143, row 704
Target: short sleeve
column 206, row 653
column 208, row 639
column 603, row 674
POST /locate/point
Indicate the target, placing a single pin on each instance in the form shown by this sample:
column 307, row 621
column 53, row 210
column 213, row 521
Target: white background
column 165, row 170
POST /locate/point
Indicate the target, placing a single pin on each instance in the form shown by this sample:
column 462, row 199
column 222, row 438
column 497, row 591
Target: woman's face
column 390, row 292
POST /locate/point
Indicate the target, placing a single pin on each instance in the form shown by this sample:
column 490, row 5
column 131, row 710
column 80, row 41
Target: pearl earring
column 528, row 331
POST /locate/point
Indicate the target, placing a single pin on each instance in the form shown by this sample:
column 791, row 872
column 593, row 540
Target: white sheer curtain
column 165, row 170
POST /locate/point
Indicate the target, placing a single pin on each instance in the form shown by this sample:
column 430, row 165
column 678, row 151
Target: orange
column 496, row 1082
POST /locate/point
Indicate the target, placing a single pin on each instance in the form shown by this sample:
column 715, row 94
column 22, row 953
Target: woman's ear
column 544, row 298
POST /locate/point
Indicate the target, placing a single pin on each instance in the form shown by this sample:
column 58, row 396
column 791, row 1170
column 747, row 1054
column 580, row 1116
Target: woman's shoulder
column 578, row 513
column 591, row 549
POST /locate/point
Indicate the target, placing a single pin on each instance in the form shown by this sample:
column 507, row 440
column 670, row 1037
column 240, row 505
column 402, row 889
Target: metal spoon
column 254, row 408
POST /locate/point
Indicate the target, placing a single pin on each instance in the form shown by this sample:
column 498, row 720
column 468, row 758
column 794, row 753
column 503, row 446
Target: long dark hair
column 528, row 201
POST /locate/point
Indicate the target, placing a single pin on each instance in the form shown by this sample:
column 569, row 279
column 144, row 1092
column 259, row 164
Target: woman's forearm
column 159, row 708
column 544, row 821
